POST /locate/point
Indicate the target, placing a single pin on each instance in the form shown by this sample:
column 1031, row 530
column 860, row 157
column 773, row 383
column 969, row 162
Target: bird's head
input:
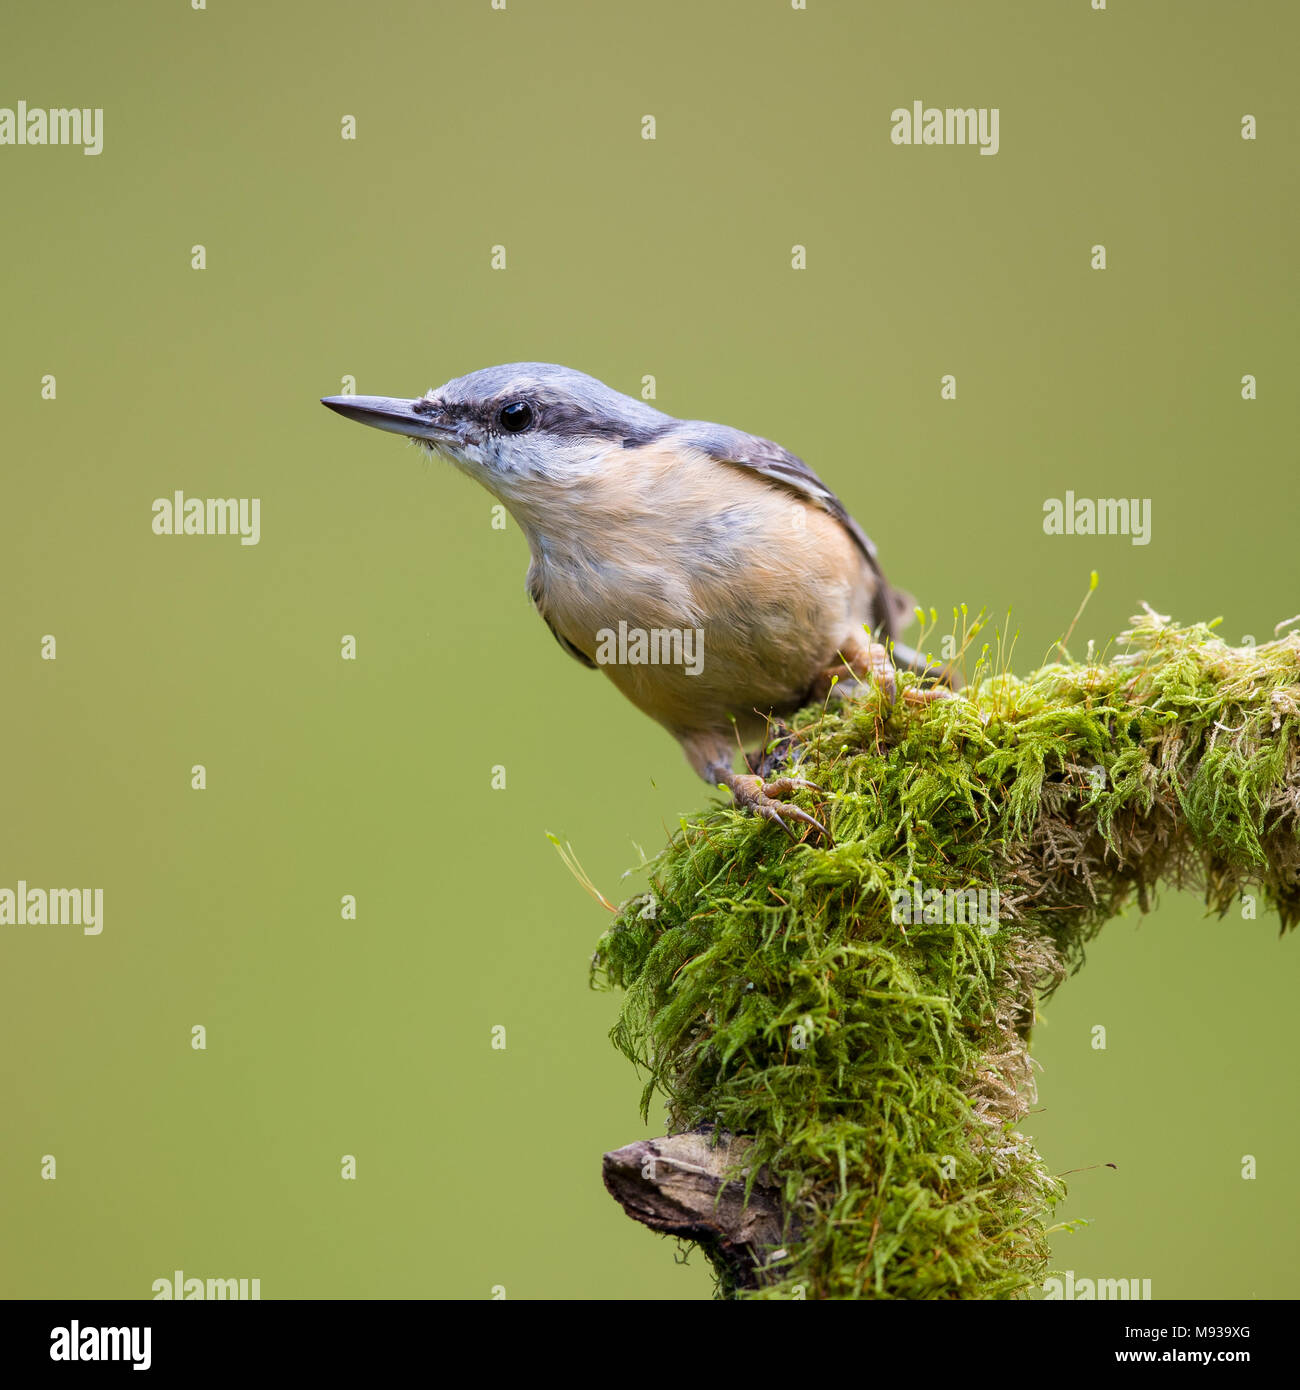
column 515, row 425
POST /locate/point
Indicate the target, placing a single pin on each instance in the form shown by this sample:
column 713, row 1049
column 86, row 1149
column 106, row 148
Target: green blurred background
column 327, row 258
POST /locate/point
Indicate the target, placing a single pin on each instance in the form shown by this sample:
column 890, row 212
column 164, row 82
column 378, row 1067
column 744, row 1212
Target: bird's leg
column 859, row 663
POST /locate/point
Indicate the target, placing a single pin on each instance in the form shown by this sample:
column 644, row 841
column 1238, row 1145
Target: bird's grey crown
column 569, row 403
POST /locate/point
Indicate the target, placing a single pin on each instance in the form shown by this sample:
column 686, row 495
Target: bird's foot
column 763, row 799
column 861, row 663
column 870, row 662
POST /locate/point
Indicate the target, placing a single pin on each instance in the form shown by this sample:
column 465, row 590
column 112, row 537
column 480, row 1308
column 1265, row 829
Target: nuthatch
column 651, row 536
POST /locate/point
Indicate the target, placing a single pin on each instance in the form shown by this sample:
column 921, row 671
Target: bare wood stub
column 676, row 1185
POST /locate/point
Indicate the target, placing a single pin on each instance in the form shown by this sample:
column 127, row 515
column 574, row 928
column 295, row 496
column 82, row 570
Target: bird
column 710, row 573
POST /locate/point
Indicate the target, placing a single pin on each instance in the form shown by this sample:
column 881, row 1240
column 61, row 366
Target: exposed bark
column 686, row 1185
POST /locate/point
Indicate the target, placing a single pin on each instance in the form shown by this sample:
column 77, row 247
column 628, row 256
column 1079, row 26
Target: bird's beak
column 417, row 419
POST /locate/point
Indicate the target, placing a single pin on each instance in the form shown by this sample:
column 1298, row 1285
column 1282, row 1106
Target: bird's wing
column 780, row 466
column 535, row 593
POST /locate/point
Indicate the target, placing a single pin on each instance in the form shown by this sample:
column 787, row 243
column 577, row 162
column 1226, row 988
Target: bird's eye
column 516, row 417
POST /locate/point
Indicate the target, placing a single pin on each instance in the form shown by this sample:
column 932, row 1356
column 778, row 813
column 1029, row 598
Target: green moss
column 882, row 1066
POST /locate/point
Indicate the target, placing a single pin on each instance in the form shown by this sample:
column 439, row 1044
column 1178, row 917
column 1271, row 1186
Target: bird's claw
column 763, row 799
column 783, row 786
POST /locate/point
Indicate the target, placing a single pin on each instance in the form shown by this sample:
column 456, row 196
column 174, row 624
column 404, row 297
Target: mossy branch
column 875, row 1055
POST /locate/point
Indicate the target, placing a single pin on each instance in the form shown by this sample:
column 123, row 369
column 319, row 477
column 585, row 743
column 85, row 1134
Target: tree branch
column 860, row 1011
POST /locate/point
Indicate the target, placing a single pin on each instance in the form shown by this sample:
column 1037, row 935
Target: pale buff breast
column 665, row 540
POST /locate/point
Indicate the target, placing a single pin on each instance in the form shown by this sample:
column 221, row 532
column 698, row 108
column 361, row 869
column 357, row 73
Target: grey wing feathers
column 778, row 465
